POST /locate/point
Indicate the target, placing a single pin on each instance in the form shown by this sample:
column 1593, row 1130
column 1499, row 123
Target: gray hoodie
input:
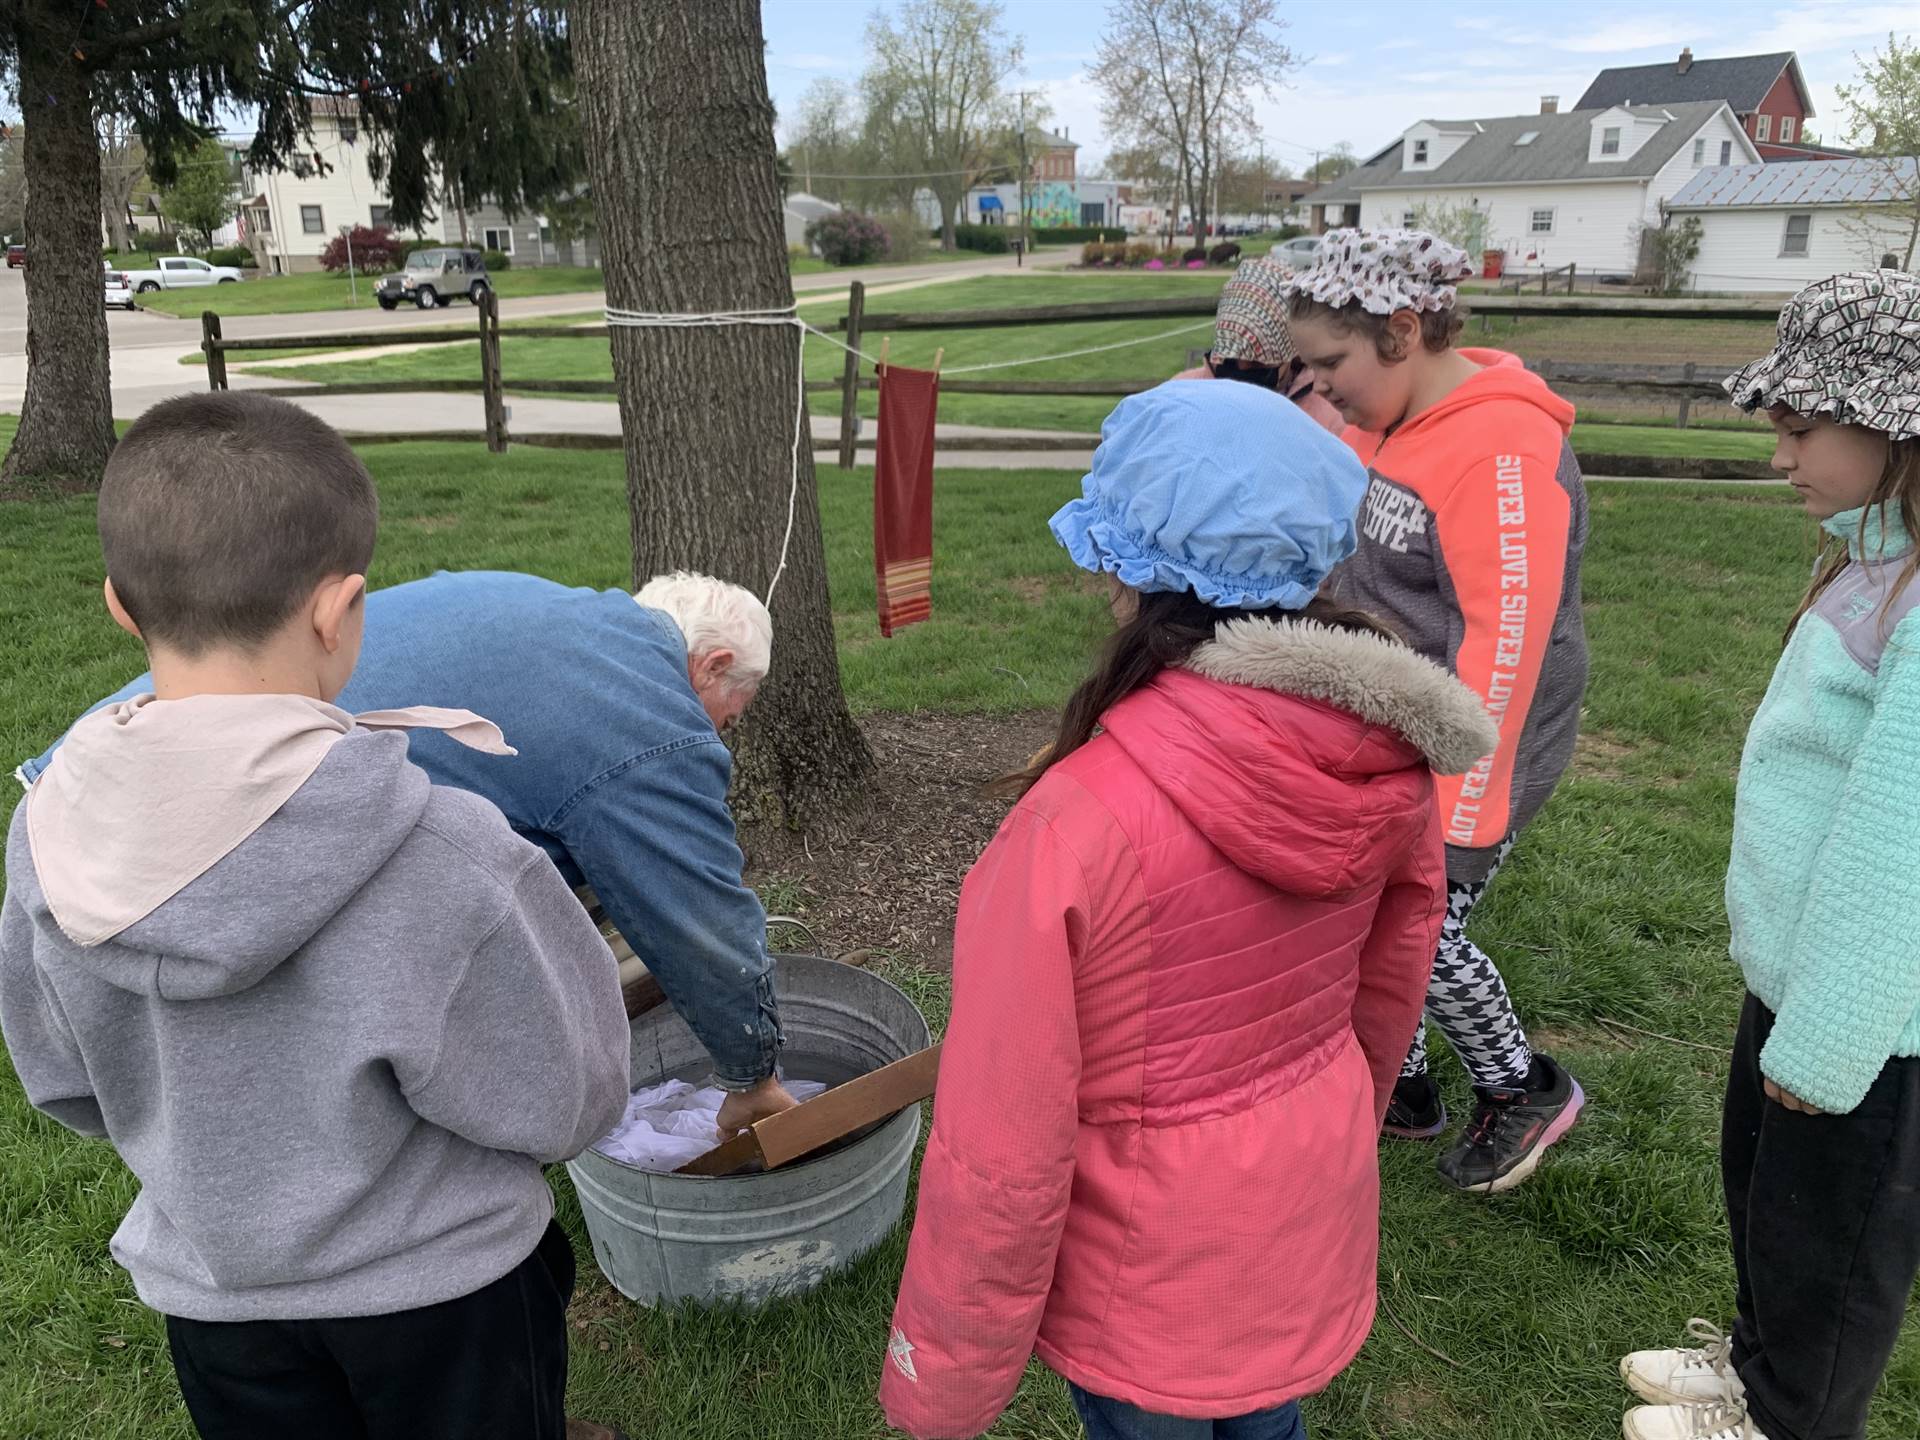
column 337, row 1058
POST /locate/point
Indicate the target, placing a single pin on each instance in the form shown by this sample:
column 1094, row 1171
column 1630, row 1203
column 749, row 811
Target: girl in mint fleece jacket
column 1820, row 1144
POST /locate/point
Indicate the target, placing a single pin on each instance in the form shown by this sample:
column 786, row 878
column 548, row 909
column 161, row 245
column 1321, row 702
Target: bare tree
column 945, row 63
column 678, row 123
column 1182, row 75
column 123, row 160
column 826, row 131
column 1883, row 118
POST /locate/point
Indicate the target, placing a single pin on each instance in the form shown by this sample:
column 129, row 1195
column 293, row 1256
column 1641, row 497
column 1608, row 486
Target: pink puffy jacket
column 1186, row 972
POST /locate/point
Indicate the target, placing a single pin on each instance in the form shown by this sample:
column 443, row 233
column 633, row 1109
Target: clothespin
column 938, row 355
column 886, row 341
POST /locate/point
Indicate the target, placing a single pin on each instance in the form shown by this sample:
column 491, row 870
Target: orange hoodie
column 1470, row 544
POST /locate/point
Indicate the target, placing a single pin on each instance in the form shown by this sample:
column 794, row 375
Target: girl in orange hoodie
column 1470, row 541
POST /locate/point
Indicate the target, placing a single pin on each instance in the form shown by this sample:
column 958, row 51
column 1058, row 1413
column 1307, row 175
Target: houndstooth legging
column 1468, row 1000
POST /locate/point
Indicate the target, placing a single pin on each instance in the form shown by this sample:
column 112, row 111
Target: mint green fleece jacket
column 1823, row 892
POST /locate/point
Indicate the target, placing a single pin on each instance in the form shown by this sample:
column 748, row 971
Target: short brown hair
column 220, row 512
column 1439, row 329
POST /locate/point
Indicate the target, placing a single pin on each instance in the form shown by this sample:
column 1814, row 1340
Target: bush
column 498, row 260
column 1198, row 252
column 373, row 248
column 987, row 239
column 1094, row 253
column 906, row 236
column 1075, row 234
column 238, row 256
column 1141, row 251
column 1292, row 232
column 1225, row 253
column 848, row 238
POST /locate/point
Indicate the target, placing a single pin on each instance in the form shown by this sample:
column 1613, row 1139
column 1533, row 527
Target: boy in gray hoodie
column 333, row 1017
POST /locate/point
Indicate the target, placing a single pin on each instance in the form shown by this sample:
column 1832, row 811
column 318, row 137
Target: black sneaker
column 1511, row 1130
column 1416, row 1111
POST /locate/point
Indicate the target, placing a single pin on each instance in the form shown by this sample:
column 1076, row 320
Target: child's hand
column 1792, row 1101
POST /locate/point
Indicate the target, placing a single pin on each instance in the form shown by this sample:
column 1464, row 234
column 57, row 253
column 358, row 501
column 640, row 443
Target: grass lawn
column 931, row 255
column 298, row 294
column 1709, row 342
column 1611, row 911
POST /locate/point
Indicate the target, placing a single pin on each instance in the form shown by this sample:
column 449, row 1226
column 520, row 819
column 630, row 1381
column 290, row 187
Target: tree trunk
column 679, row 132
column 66, row 422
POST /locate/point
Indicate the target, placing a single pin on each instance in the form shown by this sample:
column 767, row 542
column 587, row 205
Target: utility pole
column 1026, row 228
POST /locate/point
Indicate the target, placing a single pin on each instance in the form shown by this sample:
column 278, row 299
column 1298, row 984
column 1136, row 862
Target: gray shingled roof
column 1800, row 182
column 1741, row 80
column 1558, row 153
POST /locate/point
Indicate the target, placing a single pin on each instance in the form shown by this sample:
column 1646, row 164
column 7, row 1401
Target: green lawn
column 1711, row 343
column 1611, row 911
column 300, row 294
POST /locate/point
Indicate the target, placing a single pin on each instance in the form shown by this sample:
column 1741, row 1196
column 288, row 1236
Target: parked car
column 1298, row 252
column 181, row 272
column 16, row 257
column 119, row 289
column 436, row 277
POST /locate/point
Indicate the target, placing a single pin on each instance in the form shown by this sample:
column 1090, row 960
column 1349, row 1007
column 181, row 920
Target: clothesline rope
column 720, row 319
column 788, row 316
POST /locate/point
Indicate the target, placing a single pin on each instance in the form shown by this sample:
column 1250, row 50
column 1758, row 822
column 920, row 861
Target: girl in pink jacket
column 1187, row 968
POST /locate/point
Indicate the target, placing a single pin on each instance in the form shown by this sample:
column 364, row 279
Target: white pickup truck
column 180, row 272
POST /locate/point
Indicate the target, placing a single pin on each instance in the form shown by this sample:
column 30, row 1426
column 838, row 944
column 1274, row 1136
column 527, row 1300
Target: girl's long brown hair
column 1165, row 629
column 1899, row 490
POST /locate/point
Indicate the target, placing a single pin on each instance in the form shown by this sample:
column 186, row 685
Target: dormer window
column 1610, row 140
column 1419, row 152
column 1528, row 138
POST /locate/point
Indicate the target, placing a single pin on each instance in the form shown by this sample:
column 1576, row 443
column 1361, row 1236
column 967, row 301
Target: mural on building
column 1053, row 202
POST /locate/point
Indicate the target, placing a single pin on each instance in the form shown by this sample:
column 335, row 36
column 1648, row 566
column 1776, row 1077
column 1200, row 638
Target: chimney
column 1686, row 60
column 1065, row 133
column 1549, row 104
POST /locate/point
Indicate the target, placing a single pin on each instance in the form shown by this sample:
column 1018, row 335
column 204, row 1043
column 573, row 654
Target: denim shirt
column 620, row 778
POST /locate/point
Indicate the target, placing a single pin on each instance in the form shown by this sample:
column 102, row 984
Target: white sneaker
column 1704, row 1376
column 1690, row 1422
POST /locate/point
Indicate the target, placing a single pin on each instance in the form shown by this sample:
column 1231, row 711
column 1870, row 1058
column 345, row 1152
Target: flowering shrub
column 848, row 238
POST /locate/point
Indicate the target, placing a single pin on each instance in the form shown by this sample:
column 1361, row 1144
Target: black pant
column 1825, row 1215
column 489, row 1366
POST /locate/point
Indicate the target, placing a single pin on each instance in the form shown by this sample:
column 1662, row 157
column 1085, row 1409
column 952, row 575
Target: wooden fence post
column 492, row 397
column 1570, row 276
column 213, row 348
column 850, row 376
column 1686, row 402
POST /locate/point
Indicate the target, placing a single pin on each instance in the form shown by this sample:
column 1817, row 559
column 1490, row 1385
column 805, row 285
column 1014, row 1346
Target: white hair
column 715, row 615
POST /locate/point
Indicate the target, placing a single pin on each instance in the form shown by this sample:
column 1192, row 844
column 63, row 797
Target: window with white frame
column 1726, row 152
column 382, row 215
column 1540, row 222
column 310, row 220
column 501, row 240
column 1419, row 152
column 1798, row 233
column 1763, row 127
column 1786, row 129
column 1610, row 140
column 1408, row 219
column 1699, row 152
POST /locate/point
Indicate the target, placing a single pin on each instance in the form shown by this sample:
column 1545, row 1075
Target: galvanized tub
column 661, row 1239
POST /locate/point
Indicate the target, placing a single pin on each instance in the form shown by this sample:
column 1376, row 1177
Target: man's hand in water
column 748, row 1107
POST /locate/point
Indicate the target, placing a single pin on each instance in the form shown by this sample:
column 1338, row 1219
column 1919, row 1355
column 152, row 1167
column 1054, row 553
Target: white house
column 1781, row 226
column 801, row 210
column 1553, row 189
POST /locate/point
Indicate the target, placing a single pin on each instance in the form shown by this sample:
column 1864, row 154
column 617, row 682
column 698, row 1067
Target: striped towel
column 903, row 496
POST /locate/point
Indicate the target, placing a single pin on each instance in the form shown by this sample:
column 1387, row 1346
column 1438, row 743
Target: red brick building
column 1767, row 92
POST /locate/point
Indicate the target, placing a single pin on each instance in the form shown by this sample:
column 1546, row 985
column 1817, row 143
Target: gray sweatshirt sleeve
column 534, row 1045
column 45, row 1056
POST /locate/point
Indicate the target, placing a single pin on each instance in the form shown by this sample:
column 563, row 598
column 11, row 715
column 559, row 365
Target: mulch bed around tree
column 889, row 879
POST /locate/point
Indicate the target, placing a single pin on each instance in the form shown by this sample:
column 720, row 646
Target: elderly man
column 615, row 703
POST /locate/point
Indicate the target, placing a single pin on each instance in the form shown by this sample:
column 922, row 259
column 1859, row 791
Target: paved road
column 146, row 347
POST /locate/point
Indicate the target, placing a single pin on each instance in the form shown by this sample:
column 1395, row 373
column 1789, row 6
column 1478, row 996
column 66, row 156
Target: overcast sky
column 1373, row 67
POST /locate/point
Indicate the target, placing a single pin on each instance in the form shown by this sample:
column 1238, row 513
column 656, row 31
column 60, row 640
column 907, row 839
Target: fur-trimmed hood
column 1375, row 678
column 1303, row 753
